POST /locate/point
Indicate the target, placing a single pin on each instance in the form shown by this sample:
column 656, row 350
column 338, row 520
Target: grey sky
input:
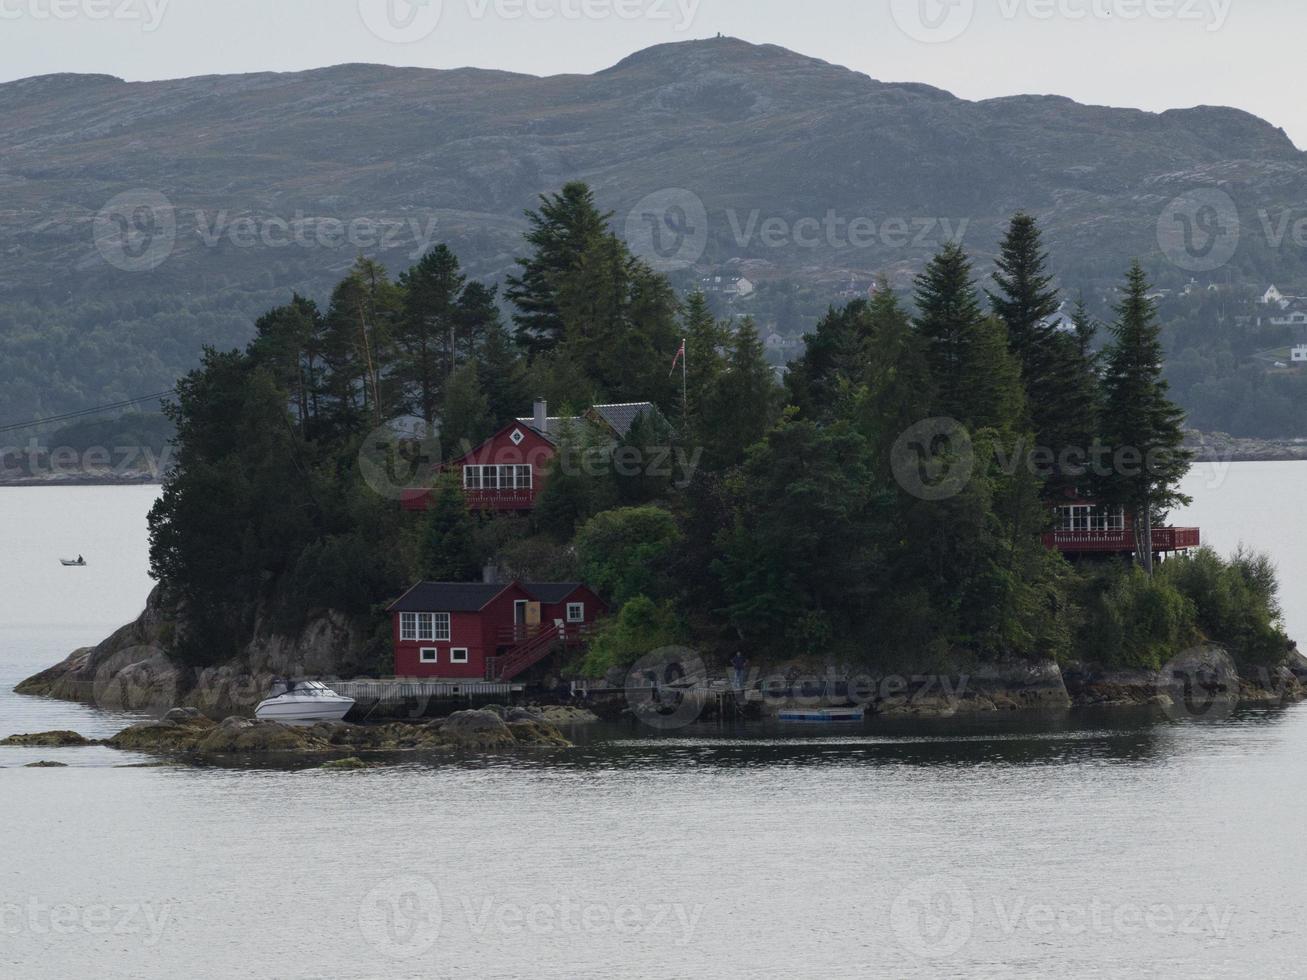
column 1153, row 54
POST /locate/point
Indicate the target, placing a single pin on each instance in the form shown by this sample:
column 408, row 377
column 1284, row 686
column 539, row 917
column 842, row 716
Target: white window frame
column 458, row 655
column 433, row 627
column 580, row 612
column 469, row 472
column 434, row 657
column 408, row 626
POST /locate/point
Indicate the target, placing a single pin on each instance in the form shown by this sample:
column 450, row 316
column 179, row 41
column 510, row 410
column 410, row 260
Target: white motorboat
column 302, row 703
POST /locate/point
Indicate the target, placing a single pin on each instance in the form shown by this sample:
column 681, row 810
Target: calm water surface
column 1103, row 845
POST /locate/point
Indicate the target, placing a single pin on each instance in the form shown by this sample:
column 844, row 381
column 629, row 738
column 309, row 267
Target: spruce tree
column 1142, row 426
column 834, row 356
column 448, row 551
column 745, row 403
column 948, row 318
column 465, row 420
column 561, row 231
column 428, row 329
column 1026, row 297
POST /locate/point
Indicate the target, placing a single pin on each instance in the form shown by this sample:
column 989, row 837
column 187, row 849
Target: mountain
column 212, row 198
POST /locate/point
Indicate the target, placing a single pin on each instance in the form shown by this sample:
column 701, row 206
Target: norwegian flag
column 680, row 356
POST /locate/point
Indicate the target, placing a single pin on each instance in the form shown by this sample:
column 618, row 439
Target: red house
column 507, row 472
column 476, row 631
column 1081, row 527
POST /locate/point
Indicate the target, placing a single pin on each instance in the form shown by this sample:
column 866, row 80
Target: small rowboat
column 79, row 563
column 822, row 716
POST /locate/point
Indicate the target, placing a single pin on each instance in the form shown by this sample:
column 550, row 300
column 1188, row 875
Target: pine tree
column 503, row 374
column 1026, row 298
column 706, row 340
column 948, row 319
column 835, row 356
column 1142, row 426
column 745, row 403
column 448, row 551
column 561, row 231
column 427, row 331
column 465, row 420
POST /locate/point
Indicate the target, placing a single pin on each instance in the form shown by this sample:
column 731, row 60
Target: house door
column 533, row 614
column 519, row 612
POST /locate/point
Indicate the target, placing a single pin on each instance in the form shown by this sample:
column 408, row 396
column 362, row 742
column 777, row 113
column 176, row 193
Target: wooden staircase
column 530, row 652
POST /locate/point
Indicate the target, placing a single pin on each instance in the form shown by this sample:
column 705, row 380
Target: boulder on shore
column 48, row 740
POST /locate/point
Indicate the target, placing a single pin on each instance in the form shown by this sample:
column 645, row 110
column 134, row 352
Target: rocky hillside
column 211, row 198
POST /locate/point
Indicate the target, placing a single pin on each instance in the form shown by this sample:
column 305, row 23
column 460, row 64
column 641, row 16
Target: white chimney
column 542, row 416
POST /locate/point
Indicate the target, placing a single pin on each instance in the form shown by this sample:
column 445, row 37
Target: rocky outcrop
column 128, row 671
column 133, row 671
column 192, row 735
column 1192, row 683
column 47, row 740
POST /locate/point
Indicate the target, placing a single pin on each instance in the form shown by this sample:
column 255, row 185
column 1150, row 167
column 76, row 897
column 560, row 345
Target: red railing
column 1164, row 539
column 531, row 645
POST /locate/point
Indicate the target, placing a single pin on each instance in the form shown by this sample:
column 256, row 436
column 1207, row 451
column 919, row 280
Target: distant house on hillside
column 734, row 287
column 507, row 472
column 1273, row 297
column 1059, row 321
column 1299, row 354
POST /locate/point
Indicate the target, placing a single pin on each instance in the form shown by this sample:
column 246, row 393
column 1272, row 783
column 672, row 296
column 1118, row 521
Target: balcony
column 1165, row 539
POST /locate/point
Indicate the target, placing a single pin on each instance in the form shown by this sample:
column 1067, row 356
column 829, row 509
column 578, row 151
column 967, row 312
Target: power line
column 83, row 413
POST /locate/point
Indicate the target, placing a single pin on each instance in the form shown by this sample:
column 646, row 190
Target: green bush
column 1130, row 620
column 1235, row 602
column 640, row 628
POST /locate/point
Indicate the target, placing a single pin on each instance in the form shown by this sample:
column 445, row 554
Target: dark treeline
column 794, row 524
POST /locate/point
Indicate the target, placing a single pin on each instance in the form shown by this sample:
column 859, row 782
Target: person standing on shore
column 740, row 664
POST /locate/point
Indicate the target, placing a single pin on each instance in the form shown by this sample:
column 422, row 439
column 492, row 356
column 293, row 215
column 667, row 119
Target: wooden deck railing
column 1165, row 539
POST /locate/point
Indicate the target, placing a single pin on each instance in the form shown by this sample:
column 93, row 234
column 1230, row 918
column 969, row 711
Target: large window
column 424, row 627
column 1085, row 517
column 497, row 477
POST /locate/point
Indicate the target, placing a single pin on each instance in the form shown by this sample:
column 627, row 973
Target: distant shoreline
column 88, row 480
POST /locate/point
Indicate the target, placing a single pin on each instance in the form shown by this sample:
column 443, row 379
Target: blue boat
column 822, row 716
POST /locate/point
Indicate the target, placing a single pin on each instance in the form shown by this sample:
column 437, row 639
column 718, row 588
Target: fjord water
column 1096, row 844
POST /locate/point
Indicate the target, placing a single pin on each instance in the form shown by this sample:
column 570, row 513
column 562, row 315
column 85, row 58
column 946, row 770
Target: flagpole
column 685, row 378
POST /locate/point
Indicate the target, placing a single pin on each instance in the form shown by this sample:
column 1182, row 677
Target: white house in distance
column 1299, row 354
column 1273, row 297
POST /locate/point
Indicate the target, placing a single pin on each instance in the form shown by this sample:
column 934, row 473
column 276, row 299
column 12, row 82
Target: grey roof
column 554, row 423
column 551, row 592
column 622, row 417
column 472, row 596
column 446, row 597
